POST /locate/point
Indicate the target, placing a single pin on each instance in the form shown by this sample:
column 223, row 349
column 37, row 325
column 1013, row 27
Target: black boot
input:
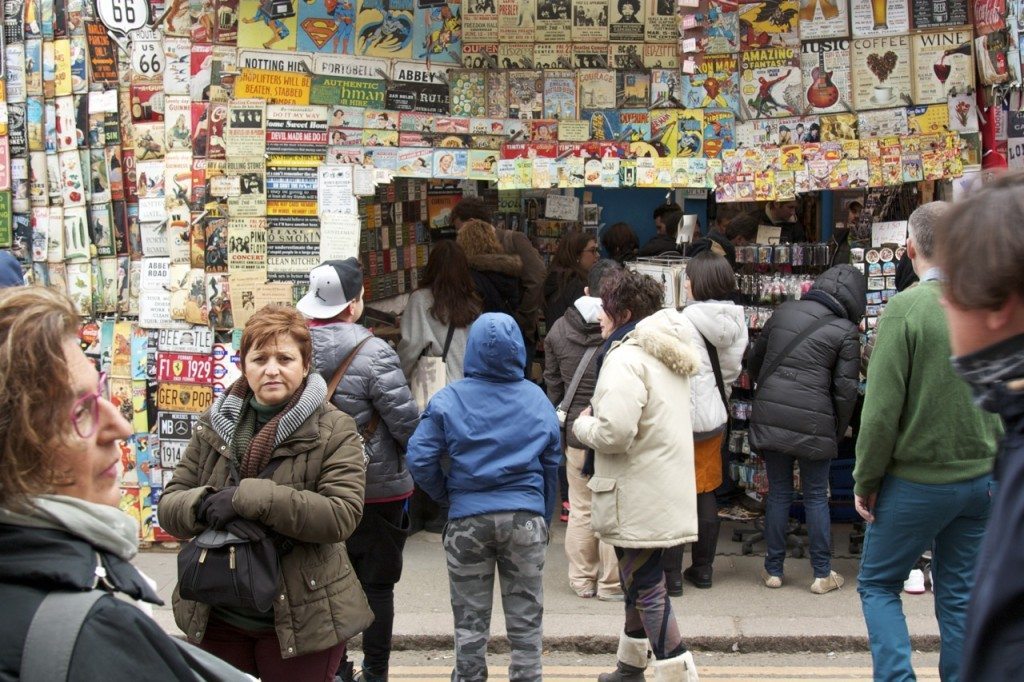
column 345, row 672
column 632, row 658
column 703, row 551
column 672, row 564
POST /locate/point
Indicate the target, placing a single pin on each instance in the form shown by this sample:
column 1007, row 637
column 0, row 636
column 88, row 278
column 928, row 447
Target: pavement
column 738, row 614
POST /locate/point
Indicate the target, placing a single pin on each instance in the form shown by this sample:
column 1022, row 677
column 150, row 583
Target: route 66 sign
column 147, row 53
column 123, row 16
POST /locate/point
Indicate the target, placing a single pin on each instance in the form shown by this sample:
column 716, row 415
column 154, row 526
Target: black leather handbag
column 220, row 568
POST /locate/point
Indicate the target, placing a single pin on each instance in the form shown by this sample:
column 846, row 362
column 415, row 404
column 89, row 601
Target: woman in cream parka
column 643, row 487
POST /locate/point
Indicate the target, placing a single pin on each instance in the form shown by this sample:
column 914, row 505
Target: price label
column 123, row 16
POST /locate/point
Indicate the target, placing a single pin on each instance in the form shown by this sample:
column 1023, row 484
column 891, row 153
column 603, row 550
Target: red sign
column 184, row 368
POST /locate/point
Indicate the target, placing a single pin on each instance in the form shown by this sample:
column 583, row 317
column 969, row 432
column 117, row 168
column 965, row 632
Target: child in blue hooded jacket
column 502, row 438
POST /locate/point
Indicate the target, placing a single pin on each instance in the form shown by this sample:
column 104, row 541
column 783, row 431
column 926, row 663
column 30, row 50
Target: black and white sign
column 121, row 17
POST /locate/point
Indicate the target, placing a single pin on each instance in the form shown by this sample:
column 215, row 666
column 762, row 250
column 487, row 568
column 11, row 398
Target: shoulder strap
column 769, row 369
column 52, row 634
column 447, row 342
column 343, row 367
column 577, row 376
column 205, row 666
column 716, row 366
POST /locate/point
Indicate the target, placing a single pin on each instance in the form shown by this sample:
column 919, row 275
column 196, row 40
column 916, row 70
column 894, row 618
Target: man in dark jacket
column 531, row 278
column 375, row 393
column 666, row 222
column 575, row 336
column 743, row 228
column 807, row 364
column 983, row 295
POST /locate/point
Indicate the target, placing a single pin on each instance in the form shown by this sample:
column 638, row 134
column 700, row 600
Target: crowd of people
column 315, row 451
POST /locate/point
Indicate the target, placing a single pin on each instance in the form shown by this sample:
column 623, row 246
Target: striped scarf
column 227, row 411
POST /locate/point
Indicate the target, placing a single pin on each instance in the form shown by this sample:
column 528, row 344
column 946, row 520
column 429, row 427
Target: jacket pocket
column 604, row 510
column 318, row 577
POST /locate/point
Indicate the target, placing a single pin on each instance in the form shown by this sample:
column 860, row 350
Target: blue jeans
column 910, row 518
column 814, row 481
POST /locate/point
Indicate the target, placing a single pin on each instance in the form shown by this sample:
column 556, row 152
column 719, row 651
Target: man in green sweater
column 923, row 473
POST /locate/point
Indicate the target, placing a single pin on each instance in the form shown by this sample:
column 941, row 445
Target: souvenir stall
column 173, row 165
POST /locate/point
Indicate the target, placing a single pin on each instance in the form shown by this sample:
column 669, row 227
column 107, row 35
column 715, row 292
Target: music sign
column 185, row 368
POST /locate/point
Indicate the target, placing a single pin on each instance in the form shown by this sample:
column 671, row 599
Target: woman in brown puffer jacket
column 314, row 498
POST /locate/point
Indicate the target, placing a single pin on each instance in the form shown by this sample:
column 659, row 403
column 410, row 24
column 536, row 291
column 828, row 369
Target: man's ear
column 1010, row 313
column 911, row 249
column 586, row 291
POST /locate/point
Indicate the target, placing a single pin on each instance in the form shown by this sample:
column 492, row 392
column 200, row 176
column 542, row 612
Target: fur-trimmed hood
column 665, row 336
column 497, row 262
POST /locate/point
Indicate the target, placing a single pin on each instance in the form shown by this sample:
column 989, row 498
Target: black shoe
column 674, row 584
column 695, row 578
column 344, row 672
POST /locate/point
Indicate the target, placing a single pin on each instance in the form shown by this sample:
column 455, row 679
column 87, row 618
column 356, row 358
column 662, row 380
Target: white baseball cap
column 333, row 285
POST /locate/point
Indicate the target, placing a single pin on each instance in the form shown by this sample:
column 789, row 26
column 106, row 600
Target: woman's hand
column 588, row 411
column 216, row 510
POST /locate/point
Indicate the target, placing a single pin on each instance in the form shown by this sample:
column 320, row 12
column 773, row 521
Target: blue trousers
column 814, row 482
column 910, row 518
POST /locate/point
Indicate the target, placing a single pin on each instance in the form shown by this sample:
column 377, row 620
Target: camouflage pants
column 515, row 543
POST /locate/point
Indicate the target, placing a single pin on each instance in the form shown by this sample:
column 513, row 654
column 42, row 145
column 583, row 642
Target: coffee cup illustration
column 883, row 93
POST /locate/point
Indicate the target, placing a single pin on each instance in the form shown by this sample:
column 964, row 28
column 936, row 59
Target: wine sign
column 932, row 14
column 825, row 65
column 943, row 62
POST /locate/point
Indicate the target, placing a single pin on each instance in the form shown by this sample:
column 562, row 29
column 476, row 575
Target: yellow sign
column 278, row 87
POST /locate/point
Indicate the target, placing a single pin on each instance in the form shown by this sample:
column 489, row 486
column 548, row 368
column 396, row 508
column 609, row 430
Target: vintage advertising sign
column 184, row 397
column 932, row 14
column 943, row 65
column 274, row 86
column 184, row 368
column 194, row 340
column 175, row 425
column 171, row 452
column 418, row 87
column 881, row 72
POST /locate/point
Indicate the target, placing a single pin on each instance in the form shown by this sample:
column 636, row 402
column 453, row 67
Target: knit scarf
column 229, row 410
column 107, row 528
column 989, row 372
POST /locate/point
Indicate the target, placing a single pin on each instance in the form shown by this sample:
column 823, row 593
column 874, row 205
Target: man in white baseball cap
column 333, row 286
column 375, row 393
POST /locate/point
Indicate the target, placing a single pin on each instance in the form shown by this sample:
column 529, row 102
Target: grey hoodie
column 374, row 381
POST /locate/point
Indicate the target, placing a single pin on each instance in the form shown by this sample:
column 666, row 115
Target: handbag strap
column 342, row 368
column 52, row 634
column 577, row 376
column 716, row 367
column 447, row 342
column 768, row 370
column 371, row 426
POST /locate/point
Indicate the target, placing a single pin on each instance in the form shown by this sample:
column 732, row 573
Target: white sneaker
column 914, row 584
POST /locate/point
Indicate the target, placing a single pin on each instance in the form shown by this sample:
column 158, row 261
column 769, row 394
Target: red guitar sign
column 823, row 93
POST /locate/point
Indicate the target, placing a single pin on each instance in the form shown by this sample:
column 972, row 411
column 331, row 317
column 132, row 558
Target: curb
column 608, row 644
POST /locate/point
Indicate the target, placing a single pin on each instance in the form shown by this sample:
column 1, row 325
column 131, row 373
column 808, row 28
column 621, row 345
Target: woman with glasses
column 272, row 457
column 575, row 254
column 61, row 532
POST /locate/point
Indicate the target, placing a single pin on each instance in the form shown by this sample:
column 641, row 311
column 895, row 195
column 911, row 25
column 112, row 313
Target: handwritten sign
column 894, row 232
column 562, row 207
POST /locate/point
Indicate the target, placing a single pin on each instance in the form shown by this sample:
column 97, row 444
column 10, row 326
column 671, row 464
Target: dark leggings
column 648, row 609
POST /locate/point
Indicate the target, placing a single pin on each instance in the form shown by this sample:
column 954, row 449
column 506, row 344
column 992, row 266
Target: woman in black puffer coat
column 802, row 408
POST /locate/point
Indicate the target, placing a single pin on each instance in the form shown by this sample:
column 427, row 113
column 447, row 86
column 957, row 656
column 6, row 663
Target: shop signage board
column 185, row 368
column 932, row 14
column 831, row 19
column 184, row 397
column 175, row 425
column 881, row 72
column 195, row 340
column 943, row 64
column 171, row 452
column 1015, row 142
column 873, row 18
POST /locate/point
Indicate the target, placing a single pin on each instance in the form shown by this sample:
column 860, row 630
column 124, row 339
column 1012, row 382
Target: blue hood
column 495, row 349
